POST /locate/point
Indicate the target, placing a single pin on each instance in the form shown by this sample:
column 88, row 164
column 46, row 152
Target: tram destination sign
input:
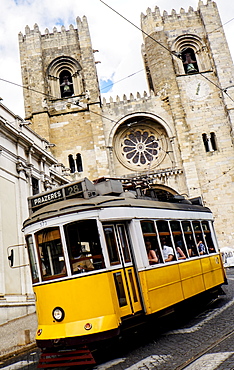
column 81, row 189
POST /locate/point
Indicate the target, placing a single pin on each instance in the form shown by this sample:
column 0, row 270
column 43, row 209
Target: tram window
column 111, row 244
column 50, row 253
column 177, row 235
column 120, row 289
column 32, row 259
column 189, row 238
column 165, row 240
column 148, row 227
column 199, row 237
column 208, row 237
column 124, row 243
column 84, row 248
column 149, row 234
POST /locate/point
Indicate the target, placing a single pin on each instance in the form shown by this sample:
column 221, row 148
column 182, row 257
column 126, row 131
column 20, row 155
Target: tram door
column 123, row 271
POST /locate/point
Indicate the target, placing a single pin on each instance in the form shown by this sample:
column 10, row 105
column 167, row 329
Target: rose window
column 140, row 147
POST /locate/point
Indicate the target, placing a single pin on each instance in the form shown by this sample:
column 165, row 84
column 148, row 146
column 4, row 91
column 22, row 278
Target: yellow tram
column 89, row 264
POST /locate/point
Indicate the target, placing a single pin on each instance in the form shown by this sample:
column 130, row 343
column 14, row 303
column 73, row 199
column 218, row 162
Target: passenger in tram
column 168, row 253
column 201, row 247
column 180, row 254
column 152, row 257
column 192, row 250
column 211, row 248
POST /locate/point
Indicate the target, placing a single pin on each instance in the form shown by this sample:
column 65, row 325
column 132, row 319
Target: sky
column 119, row 42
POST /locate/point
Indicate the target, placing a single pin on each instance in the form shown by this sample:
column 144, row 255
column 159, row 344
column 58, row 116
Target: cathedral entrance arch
column 162, row 192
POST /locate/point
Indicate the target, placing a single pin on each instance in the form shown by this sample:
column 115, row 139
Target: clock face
column 198, row 89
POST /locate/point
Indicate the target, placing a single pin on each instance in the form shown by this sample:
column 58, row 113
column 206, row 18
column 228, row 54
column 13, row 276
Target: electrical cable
column 113, row 83
column 27, row 88
column 134, row 25
column 174, row 54
column 230, row 20
column 124, row 78
column 223, row 174
column 159, row 43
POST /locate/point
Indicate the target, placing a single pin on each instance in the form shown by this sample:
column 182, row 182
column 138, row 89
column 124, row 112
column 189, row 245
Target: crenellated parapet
column 154, row 19
column 58, row 36
column 47, row 58
column 118, row 101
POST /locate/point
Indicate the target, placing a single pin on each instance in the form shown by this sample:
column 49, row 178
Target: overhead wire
column 113, row 83
column 230, row 20
column 216, row 178
column 132, row 74
column 134, row 25
column 26, row 87
column 174, row 54
column 178, row 56
column 52, row 97
column 122, row 79
column 75, row 103
column 163, row 46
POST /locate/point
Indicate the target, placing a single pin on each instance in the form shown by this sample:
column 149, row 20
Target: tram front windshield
column 50, row 252
column 84, row 247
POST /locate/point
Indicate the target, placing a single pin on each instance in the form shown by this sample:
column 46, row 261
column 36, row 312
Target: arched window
column 65, row 77
column 189, row 61
column 66, row 84
column 194, row 54
column 71, row 163
column 35, row 186
column 210, row 143
column 213, row 141
column 206, row 142
column 79, row 162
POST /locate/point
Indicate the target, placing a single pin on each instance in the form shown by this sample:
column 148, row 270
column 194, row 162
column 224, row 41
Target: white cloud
column 118, row 42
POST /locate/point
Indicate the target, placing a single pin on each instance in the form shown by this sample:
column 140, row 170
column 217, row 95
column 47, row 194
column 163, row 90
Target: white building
column 26, row 167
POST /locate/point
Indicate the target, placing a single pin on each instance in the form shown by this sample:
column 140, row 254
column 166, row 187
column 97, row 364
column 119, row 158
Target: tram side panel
column 161, row 287
column 85, row 300
column 165, row 284
column 213, row 271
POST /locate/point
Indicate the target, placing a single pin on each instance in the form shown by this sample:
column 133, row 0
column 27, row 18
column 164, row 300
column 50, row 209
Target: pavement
column 17, row 336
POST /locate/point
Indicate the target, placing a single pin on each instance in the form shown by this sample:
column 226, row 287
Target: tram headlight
column 58, row 314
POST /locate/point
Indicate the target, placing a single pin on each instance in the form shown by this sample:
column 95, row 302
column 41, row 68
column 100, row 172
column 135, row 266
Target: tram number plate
column 73, row 189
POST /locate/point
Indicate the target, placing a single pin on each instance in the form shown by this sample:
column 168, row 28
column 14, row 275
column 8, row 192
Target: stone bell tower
column 189, row 66
column 59, row 72
column 178, row 138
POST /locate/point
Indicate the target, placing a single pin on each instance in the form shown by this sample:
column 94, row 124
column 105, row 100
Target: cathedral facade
column 177, row 138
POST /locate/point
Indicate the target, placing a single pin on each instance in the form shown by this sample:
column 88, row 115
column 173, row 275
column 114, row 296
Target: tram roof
column 99, row 202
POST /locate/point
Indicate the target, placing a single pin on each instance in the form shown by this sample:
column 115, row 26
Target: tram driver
column 81, row 262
